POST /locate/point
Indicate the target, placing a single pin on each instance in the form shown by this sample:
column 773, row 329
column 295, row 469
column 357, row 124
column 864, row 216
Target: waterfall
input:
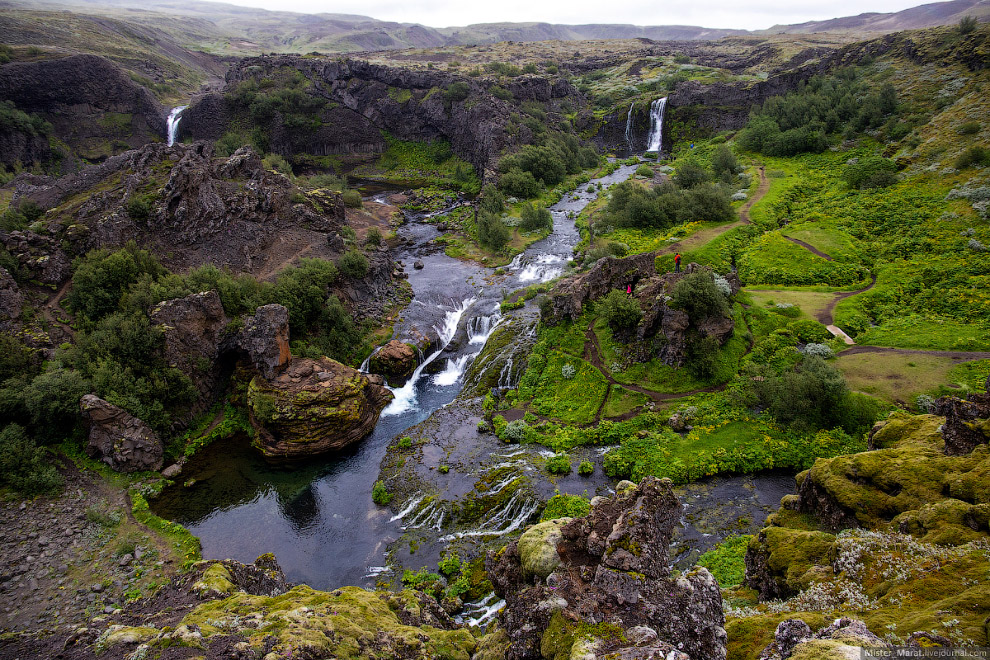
column 505, row 376
column 629, row 125
column 405, row 396
column 173, row 123
column 454, row 370
column 480, row 328
column 543, row 268
column 655, row 141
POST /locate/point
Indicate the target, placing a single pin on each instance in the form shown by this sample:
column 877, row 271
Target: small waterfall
column 505, row 376
column 413, row 502
column 405, row 396
column 480, row 613
column 655, row 141
column 173, row 123
column 516, row 512
column 543, row 268
column 480, row 328
column 454, row 370
column 629, row 126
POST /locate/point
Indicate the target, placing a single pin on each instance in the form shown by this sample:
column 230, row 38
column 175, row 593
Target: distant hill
column 923, row 16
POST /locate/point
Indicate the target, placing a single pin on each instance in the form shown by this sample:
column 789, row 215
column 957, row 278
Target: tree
column 620, row 310
column 535, row 218
column 697, row 294
column 690, row 174
column 724, row 162
column 967, row 24
column 517, row 183
column 492, row 232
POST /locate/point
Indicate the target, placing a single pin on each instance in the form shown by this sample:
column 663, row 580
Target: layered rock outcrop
column 967, row 421
column 119, row 439
column 93, row 105
column 314, row 406
column 611, row 567
column 395, row 360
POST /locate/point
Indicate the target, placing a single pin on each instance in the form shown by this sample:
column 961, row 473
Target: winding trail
column 810, row 248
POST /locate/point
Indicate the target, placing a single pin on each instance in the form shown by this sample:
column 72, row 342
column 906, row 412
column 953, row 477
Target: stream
column 317, row 516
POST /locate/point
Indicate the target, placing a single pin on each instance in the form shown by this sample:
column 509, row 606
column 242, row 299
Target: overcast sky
column 752, row 15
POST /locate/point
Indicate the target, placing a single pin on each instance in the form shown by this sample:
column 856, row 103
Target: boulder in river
column 314, row 406
column 120, row 439
column 396, row 361
column 610, row 567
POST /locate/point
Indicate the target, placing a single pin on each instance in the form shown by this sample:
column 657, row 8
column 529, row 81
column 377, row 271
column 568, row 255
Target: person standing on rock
column 677, row 262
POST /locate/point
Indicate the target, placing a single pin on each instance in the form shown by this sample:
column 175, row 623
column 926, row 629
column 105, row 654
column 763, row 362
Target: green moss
column 538, row 547
column 558, row 639
column 216, row 581
column 792, row 555
column 726, row 561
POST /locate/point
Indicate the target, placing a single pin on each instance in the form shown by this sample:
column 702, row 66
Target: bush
column 724, row 162
column 697, row 294
column 559, row 464
column 492, row 232
column 277, row 163
column 353, row 264
column 568, row 371
column 380, row 494
column 51, row 401
column 515, row 431
column 102, row 277
column 501, row 93
column 566, row 506
column 822, row 351
column 535, row 218
column 373, row 237
column 352, row 199
column 967, row 24
column 620, row 310
column 586, row 468
column 975, row 155
column 968, row 128
column 139, row 208
column 870, row 172
column 24, row 466
column 457, row 92
column 727, row 561
column 517, row 183
column 690, row 174
column 644, row 171
column 450, row 563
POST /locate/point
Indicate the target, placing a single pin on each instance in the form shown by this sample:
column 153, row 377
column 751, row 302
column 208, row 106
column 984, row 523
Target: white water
column 629, row 125
column 172, row 123
column 479, row 613
column 413, row 501
column 454, row 370
column 511, row 517
column 480, row 328
column 542, row 268
column 405, row 396
column 655, row 141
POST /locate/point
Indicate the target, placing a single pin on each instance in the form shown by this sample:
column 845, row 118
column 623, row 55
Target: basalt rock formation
column 314, row 406
column 967, row 421
column 119, row 439
column 187, row 207
column 563, row 578
column 568, row 296
column 364, row 99
column 93, row 106
column 396, row 361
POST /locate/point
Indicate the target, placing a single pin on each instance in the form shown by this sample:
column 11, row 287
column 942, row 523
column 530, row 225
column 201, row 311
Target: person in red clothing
column 629, row 289
column 677, row 263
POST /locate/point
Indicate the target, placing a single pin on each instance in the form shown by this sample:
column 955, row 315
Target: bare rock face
column 613, row 568
column 119, row 439
column 265, row 338
column 314, row 406
column 41, row 256
column 193, row 328
column 10, row 302
column 967, row 421
column 568, row 297
column 396, row 361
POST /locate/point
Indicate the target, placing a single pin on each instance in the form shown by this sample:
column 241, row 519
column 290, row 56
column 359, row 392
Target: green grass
column 727, row 561
column 811, row 303
column 833, row 242
column 971, row 376
column 901, row 378
column 621, row 401
column 927, row 333
column 772, row 259
column 575, row 400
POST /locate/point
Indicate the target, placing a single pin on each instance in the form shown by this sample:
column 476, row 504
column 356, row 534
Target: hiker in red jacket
column 677, row 263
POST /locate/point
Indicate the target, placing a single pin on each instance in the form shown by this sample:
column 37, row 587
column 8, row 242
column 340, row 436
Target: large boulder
column 611, row 567
column 314, row 406
column 194, row 329
column 967, row 421
column 119, row 439
column 396, row 361
column 843, row 638
column 265, row 338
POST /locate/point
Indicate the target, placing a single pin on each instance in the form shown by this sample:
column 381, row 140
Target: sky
column 752, row 15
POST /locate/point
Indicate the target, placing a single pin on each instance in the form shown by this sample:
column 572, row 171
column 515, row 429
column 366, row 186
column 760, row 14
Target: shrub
column 568, row 371
column 277, row 163
column 535, row 218
column 51, row 401
column 139, row 208
column 724, row 162
column 870, row 172
column 424, row 581
column 492, row 232
column 689, row 174
column 353, row 264
column 457, row 92
column 822, row 351
column 352, row 199
column 515, row 431
column 374, row 237
column 586, row 468
column 925, row 403
column 102, row 277
column 697, row 294
column 727, row 561
column 405, row 442
column 967, row 24
column 644, row 171
column 620, row 310
column 500, row 93
column 968, row 128
column 566, row 506
column 380, row 494
column 975, row 155
column 559, row 464
column 450, row 563
column 24, row 466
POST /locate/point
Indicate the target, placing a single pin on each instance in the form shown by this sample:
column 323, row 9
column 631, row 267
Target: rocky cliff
column 363, row 100
column 94, row 106
column 602, row 586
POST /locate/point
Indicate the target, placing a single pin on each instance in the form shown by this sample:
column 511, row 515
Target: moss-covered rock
column 216, row 582
column 780, row 561
column 538, row 548
column 314, row 406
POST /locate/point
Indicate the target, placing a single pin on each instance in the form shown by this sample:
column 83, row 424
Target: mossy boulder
column 314, row 406
column 538, row 548
column 395, row 360
column 780, row 562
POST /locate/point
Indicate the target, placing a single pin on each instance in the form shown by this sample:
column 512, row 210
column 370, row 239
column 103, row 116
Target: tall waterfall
column 629, row 125
column 655, row 141
column 173, row 123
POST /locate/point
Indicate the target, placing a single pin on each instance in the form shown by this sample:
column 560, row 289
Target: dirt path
column 810, row 248
column 706, row 235
column 825, row 316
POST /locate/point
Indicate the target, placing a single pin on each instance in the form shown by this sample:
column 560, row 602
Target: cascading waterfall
column 543, row 268
column 454, row 370
column 405, row 396
column 629, row 125
column 173, row 123
column 480, row 328
column 655, row 141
